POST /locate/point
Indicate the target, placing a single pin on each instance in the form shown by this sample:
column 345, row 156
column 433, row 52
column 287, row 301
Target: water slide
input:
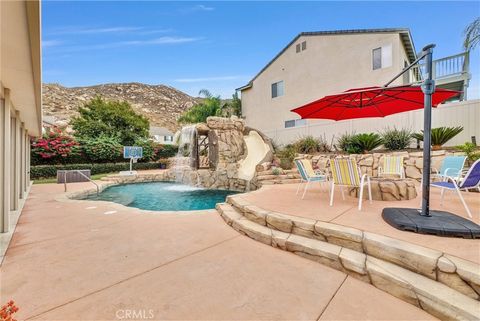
column 257, row 149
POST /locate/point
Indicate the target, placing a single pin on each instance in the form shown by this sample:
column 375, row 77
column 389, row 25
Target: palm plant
column 366, row 142
column 209, row 106
column 440, row 135
column 472, row 35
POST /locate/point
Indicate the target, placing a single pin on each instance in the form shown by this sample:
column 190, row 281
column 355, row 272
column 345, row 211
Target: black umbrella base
column 439, row 223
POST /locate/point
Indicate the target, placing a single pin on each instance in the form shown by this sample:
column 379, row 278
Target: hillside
column 161, row 104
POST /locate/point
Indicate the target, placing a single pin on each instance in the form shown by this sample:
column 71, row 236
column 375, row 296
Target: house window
column 277, row 89
column 295, row 123
column 168, row 138
column 301, row 46
column 382, row 57
column 377, row 58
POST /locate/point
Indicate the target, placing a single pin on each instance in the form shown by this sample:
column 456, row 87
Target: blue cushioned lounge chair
column 470, row 181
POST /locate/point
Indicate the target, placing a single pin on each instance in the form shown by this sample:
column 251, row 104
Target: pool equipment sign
column 133, row 153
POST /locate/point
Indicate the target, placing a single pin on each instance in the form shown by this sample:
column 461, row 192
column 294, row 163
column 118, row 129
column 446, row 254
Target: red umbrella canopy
column 371, row 102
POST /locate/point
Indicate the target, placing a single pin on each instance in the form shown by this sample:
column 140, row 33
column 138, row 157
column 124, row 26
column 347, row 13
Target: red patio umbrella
column 384, row 101
column 371, row 102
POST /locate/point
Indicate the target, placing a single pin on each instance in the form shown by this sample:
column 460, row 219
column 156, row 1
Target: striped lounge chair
column 346, row 173
column 392, row 165
column 308, row 174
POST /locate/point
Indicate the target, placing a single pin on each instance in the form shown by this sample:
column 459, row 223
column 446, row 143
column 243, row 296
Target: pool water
column 162, row 196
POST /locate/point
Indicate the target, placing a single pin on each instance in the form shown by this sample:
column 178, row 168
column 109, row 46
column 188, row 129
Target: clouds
column 84, row 38
column 50, row 43
column 201, row 7
column 79, row 30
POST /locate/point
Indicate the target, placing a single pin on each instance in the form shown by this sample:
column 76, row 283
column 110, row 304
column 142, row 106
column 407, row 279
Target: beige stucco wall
column 20, row 102
column 330, row 64
column 465, row 113
column 20, row 59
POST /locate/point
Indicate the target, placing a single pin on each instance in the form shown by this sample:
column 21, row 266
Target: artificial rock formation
column 227, row 155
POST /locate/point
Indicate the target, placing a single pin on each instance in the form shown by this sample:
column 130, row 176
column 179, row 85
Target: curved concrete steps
column 444, row 286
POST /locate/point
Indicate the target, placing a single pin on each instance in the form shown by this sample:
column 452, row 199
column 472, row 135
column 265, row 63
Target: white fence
column 465, row 113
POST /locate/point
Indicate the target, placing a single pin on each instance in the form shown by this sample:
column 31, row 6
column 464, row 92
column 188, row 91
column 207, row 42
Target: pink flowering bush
column 54, row 146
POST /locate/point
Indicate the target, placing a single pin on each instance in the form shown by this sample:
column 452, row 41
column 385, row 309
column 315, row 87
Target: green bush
column 287, row 155
column 48, row 171
column 166, row 151
column 344, row 142
column 148, row 147
column 310, row 145
column 396, row 139
column 102, row 149
column 365, row 142
column 471, row 151
column 440, row 135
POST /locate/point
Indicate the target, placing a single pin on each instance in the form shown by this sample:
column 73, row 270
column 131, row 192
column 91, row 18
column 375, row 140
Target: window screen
column 304, row 45
column 298, row 48
column 289, row 123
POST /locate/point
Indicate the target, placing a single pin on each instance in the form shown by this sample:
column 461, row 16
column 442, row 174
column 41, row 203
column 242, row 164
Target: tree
column 472, row 35
column 101, row 118
column 210, row 106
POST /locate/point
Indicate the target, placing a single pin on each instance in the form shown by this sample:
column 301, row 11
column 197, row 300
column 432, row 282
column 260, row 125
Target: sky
column 218, row 45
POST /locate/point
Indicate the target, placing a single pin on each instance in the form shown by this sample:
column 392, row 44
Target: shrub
column 103, row 149
column 54, row 147
column 149, row 147
column 396, row 139
column 287, row 155
column 310, row 145
column 166, row 151
column 344, row 142
column 440, row 135
column 276, row 171
column 365, row 142
column 99, row 118
column 471, row 151
column 48, row 171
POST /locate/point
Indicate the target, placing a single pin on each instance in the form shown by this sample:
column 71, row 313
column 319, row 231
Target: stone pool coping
column 115, row 180
column 442, row 284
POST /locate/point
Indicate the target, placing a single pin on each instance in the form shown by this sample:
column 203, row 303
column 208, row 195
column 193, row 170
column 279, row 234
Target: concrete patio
column 79, row 260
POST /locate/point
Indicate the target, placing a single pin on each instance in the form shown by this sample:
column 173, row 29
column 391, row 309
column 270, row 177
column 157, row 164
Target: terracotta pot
column 436, row 147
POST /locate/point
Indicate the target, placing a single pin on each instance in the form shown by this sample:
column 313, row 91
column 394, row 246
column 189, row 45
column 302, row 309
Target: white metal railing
column 79, row 172
column 445, row 67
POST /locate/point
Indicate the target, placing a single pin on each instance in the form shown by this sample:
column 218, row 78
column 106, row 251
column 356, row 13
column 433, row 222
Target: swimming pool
column 162, row 196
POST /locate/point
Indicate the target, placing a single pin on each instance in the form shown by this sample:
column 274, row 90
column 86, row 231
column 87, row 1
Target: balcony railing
column 452, row 66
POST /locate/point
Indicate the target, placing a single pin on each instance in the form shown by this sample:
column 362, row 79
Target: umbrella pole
column 428, row 88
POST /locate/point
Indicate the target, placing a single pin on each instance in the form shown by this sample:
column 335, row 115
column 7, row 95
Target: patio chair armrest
column 449, row 169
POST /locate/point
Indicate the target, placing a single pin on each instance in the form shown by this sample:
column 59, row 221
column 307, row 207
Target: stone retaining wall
column 440, row 283
column 369, row 163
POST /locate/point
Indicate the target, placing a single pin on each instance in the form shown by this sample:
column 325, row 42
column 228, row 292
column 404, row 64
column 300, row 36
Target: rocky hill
column 161, row 104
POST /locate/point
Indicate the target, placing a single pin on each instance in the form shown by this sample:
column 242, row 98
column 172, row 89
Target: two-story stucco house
column 315, row 64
